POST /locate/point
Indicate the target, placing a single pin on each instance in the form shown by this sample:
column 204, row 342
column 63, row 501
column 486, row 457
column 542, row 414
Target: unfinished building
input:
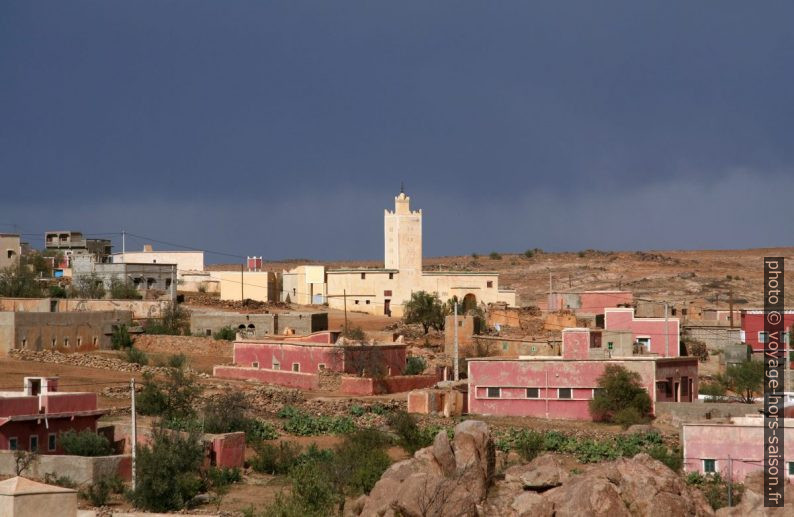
column 250, row 326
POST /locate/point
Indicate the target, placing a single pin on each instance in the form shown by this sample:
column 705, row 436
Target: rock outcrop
column 752, row 503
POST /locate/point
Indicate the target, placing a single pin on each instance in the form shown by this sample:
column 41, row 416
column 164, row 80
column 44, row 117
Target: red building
column 32, row 419
column 561, row 387
column 299, row 362
column 659, row 336
column 753, row 328
column 589, row 303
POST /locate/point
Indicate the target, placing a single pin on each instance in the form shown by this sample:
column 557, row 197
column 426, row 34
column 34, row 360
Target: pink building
column 32, row 419
column 753, row 328
column 589, row 303
column 562, row 387
column 733, row 449
column 655, row 335
column 300, row 362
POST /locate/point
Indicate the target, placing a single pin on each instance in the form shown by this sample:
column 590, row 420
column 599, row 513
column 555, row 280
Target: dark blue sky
column 285, row 128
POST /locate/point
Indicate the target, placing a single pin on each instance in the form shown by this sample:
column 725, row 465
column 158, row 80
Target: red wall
column 305, row 381
column 68, row 402
column 25, row 429
column 623, row 319
column 395, row 384
column 753, row 323
column 21, row 405
column 677, row 369
column 514, row 376
column 575, row 343
column 229, row 450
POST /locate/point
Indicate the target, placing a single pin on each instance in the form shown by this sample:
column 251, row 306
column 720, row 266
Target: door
column 676, row 387
column 387, row 307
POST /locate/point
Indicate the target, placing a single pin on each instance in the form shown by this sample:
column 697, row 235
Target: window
column 391, row 277
column 489, row 283
column 533, row 393
column 356, row 302
column 596, row 391
column 709, row 466
column 51, row 442
column 791, row 468
column 296, row 367
column 367, row 302
column 763, row 337
column 209, row 332
column 276, row 365
column 24, row 343
column 684, row 386
column 644, row 342
column 321, row 367
column 563, row 393
column 386, row 293
column 494, row 393
column 13, row 443
column 34, row 443
column 53, row 343
column 610, row 345
column 255, row 364
column 505, row 346
column 93, row 341
column 363, row 276
column 66, row 342
column 79, row 342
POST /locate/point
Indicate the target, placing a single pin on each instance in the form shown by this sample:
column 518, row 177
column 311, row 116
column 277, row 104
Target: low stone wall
column 81, row 469
column 396, row 384
column 305, row 381
column 680, row 412
column 183, row 344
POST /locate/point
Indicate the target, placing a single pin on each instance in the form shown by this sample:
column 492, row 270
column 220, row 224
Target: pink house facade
column 562, row 388
column 589, row 303
column 753, row 328
column 733, row 449
column 33, row 419
column 301, row 361
column 655, row 335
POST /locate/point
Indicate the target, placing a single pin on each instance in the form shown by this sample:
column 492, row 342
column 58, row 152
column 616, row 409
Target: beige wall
column 304, row 285
column 260, row 286
column 184, row 260
column 9, row 244
column 197, row 281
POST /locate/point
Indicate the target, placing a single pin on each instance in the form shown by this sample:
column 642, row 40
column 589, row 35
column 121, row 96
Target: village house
column 385, row 290
column 33, row 418
column 144, row 277
column 589, row 303
column 62, row 331
column 10, row 250
column 73, row 244
column 657, row 336
column 258, row 325
column 753, row 333
column 186, row 261
column 321, row 360
column 733, row 449
column 561, row 386
column 262, row 286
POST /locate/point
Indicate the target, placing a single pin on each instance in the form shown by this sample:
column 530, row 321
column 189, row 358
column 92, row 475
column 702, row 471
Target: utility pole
column 134, row 430
column 242, row 283
column 344, row 295
column 730, row 482
column 123, row 244
column 730, row 306
column 666, row 333
column 455, row 350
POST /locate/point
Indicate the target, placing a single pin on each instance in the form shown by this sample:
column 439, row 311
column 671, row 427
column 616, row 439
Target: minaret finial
column 402, row 187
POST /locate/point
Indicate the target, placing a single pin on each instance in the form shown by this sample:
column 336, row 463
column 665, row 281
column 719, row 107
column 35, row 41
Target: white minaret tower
column 403, row 237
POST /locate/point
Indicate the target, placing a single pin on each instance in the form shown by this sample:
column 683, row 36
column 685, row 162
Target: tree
column 23, row 460
column 120, row 339
column 85, row 443
column 168, row 471
column 426, row 309
column 18, row 282
column 174, row 321
column 415, row 365
column 746, row 379
column 121, row 290
column 620, row 397
column 175, row 401
column 87, row 286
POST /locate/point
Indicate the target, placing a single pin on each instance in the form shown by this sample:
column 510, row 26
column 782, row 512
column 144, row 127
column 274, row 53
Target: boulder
column 540, row 474
column 532, row 504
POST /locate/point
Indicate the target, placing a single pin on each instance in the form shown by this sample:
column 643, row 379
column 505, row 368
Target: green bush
column 495, row 256
column 151, row 400
column 529, row 254
column 410, row 437
column 173, row 399
column 120, row 290
column 275, row 459
column 56, row 291
column 19, row 282
column 175, row 321
column 168, row 471
column 357, row 410
column 225, row 333
column 354, row 333
column 715, row 488
column 415, row 365
column 177, row 361
column 529, row 444
column 96, row 493
column 714, row 391
column 621, row 398
column 673, row 459
column 120, row 339
column 258, row 430
column 136, row 356
column 52, row 478
column 85, row 443
column 304, row 424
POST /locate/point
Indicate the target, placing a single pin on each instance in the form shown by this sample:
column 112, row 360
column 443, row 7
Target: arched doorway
column 469, row 303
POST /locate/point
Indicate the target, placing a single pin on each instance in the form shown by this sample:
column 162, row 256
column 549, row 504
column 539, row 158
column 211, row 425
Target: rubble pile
column 246, row 306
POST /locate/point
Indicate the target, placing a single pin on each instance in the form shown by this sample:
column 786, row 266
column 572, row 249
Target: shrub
column 121, row 290
column 167, row 471
column 673, row 459
column 495, row 256
column 172, row 399
column 226, row 413
column 475, row 256
column 714, row 391
column 136, row 356
column 151, row 400
column 303, row 424
column 698, row 349
column 529, row 254
column 175, row 321
column 19, row 282
column 120, row 339
column 56, row 291
column 621, row 398
column 275, row 459
column 177, row 361
column 354, row 333
column 415, row 365
column 85, row 443
column 356, row 410
column 225, row 333
column 411, row 438
column 746, row 379
column 51, row 478
column 715, row 488
column 529, row 444
column 96, row 493
column 258, row 430
column 87, row 286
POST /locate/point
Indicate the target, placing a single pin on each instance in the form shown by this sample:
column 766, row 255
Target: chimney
column 147, row 247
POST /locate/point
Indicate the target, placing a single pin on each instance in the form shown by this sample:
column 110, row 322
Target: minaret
column 403, row 236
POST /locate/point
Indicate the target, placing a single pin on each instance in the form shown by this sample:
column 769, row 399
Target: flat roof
column 362, row 270
column 548, row 358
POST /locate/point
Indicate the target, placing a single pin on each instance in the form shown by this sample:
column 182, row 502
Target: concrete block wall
column 81, row 469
